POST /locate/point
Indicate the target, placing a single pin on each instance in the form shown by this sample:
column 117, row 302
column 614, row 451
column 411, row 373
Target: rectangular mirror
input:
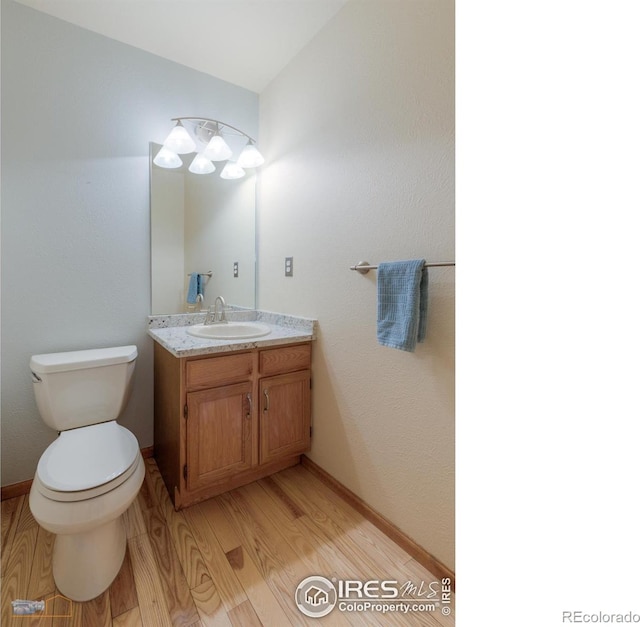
column 201, row 223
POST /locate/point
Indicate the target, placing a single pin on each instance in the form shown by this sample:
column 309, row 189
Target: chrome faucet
column 215, row 317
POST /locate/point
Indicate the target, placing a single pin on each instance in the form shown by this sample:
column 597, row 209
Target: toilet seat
column 87, row 462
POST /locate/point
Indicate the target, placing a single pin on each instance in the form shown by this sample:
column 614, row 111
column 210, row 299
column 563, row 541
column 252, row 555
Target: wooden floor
column 233, row 560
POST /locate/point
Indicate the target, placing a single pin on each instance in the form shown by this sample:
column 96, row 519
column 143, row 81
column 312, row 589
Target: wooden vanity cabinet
column 221, row 421
column 218, row 434
column 285, row 422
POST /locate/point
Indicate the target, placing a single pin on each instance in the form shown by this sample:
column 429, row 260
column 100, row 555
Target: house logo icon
column 316, row 596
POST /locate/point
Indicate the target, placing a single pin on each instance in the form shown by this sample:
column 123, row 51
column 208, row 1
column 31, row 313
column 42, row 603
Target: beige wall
column 359, row 137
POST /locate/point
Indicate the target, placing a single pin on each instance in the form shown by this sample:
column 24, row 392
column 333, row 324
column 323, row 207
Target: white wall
column 359, row 138
column 78, row 113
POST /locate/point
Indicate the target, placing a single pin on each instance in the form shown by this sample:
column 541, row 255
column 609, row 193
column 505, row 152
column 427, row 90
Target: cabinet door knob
column 266, row 399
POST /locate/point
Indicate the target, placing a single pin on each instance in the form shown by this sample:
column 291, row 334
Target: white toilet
column 90, row 475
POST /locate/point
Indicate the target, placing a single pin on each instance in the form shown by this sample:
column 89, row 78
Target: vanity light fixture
column 167, row 159
column 250, row 157
column 201, row 165
column 206, row 137
column 232, row 171
column 179, row 141
column 217, row 149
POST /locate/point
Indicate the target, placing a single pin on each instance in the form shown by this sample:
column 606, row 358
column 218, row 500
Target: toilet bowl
column 89, row 476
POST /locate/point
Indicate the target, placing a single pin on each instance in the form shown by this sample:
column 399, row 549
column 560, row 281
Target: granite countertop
column 171, row 332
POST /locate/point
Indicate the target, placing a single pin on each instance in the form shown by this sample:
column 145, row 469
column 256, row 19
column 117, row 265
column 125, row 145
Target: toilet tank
column 81, row 388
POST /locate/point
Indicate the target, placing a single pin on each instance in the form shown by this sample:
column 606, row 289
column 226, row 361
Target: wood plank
column 153, row 607
column 158, row 496
column 145, row 498
column 176, row 590
column 219, row 523
column 227, row 584
column 15, row 582
column 281, row 497
column 26, row 520
column 323, row 538
column 122, row 592
column 273, row 518
column 193, row 566
column 66, row 613
column 41, row 582
column 276, row 561
column 97, row 612
column 244, row 615
column 130, row 618
column 210, row 607
column 272, row 515
column 133, row 520
column 10, row 515
column 262, row 598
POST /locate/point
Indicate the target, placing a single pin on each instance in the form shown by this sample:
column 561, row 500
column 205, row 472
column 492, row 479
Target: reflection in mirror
column 201, row 223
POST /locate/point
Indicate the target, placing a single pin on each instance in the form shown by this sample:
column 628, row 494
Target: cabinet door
column 218, row 433
column 285, row 419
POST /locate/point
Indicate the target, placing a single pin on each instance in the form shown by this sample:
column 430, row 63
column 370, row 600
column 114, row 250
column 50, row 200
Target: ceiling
column 245, row 42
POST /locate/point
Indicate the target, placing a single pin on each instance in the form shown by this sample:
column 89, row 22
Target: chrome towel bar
column 209, row 274
column 364, row 266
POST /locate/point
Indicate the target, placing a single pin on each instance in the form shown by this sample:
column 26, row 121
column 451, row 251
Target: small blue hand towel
column 402, row 303
column 195, row 287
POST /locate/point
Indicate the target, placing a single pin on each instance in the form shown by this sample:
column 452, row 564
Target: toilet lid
column 84, row 458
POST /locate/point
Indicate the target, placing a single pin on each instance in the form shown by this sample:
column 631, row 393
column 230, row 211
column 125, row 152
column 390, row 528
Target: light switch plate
column 288, row 266
column 235, row 269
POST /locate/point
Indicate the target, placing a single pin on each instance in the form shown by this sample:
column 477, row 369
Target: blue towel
column 402, row 303
column 196, row 286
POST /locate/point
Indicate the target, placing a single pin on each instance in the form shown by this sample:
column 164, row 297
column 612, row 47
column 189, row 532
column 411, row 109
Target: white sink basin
column 229, row 330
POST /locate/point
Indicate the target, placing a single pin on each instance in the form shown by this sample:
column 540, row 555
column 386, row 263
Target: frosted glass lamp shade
column 250, row 157
column 179, row 141
column 201, row 165
column 232, row 171
column 217, row 149
column 167, row 159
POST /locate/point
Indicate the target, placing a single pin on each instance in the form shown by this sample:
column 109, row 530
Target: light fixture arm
column 218, row 123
